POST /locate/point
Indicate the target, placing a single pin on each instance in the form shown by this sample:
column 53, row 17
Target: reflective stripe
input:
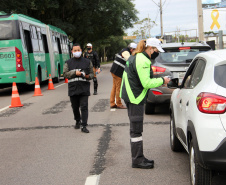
column 37, row 86
column 15, row 95
column 136, row 139
column 77, row 79
column 118, row 63
column 130, row 92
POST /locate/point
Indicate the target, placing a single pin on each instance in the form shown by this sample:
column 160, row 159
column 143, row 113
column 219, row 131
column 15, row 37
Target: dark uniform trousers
column 135, row 114
column 82, row 102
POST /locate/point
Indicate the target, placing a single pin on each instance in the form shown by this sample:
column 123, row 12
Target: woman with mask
column 136, row 81
column 79, row 71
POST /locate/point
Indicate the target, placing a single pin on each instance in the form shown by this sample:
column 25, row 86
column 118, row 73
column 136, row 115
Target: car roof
column 185, row 44
column 215, row 55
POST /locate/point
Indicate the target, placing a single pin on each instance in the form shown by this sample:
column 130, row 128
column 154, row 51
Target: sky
column 177, row 15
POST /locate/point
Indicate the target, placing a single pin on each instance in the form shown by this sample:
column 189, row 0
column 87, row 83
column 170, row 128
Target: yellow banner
column 129, row 37
column 214, row 18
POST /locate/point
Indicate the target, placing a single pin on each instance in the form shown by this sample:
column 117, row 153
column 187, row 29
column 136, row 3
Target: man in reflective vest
column 117, row 69
column 93, row 57
column 137, row 79
column 79, row 71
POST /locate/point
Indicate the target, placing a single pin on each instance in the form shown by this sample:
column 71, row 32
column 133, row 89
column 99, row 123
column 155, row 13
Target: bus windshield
column 9, row 30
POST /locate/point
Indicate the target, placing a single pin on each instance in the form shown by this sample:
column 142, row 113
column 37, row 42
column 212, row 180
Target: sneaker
column 77, row 125
column 95, row 93
column 84, row 129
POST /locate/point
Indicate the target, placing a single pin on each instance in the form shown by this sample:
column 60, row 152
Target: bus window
column 34, row 39
column 58, row 44
column 22, row 35
column 45, row 44
column 28, row 41
column 40, row 41
column 9, row 30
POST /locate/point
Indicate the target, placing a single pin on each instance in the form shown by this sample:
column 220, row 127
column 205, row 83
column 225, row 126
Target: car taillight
column 19, row 64
column 158, row 70
column 157, row 93
column 211, row 103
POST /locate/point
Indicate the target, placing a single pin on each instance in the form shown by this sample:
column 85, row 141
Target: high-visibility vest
column 138, row 78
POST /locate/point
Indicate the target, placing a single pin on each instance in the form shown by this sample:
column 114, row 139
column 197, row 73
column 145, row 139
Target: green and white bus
column 30, row 49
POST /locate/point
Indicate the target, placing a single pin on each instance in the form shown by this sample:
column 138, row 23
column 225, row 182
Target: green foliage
column 98, row 22
column 144, row 27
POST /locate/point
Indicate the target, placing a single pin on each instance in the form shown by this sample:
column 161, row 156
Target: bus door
column 28, row 43
column 51, row 62
column 47, row 57
column 61, row 56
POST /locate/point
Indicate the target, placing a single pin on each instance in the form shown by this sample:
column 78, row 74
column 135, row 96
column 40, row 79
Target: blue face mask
column 77, row 54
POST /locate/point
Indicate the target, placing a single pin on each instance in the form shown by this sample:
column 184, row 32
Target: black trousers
column 136, row 117
column 80, row 103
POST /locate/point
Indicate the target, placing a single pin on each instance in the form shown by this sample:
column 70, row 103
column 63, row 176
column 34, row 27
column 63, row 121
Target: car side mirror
column 173, row 83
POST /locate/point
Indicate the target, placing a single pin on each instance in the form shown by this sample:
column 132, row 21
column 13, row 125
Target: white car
column 198, row 115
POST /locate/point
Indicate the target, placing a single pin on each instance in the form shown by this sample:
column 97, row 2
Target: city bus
column 30, row 49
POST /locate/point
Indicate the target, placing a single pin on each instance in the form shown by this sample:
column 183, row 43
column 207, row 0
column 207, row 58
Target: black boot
column 84, row 129
column 77, row 125
column 95, row 85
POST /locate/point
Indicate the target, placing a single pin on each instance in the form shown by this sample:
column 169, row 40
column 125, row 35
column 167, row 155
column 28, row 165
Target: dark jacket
column 93, row 57
column 118, row 65
column 78, row 85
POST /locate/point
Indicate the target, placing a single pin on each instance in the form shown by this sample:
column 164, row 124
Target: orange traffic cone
column 50, row 85
column 15, row 102
column 66, row 80
column 37, row 88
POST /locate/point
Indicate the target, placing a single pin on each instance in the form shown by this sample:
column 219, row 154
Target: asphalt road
column 38, row 144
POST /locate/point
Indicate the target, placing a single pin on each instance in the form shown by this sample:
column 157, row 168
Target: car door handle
column 187, row 103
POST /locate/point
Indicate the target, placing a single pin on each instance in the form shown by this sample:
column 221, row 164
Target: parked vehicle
column 198, row 115
column 29, row 49
column 173, row 62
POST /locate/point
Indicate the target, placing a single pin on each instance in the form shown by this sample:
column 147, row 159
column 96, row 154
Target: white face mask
column 77, row 54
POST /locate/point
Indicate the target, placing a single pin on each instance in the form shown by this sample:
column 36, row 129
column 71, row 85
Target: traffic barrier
column 15, row 101
column 50, row 85
column 66, row 80
column 37, row 88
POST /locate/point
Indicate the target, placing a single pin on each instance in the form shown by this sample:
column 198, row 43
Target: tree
column 83, row 20
column 144, row 28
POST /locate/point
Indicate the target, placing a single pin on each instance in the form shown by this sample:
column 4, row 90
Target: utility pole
column 161, row 18
column 200, row 20
column 160, row 9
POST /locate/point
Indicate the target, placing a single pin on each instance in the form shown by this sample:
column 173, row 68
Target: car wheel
column 149, row 108
column 198, row 174
column 175, row 144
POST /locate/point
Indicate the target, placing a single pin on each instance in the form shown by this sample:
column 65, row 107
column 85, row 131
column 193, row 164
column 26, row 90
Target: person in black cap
column 79, row 71
column 93, row 57
column 117, row 69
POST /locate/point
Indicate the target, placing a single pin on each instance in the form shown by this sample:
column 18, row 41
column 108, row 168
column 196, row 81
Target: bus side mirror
column 173, row 83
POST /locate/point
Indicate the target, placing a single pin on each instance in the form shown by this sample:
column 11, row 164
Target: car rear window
column 180, row 54
column 219, row 75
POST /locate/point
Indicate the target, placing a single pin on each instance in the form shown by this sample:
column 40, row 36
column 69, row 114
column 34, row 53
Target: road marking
column 4, row 108
column 60, row 85
column 92, row 180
